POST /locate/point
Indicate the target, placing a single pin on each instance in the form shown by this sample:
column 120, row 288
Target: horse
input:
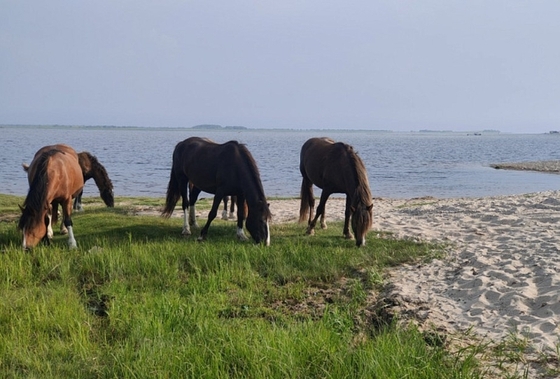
column 222, row 170
column 334, row 167
column 91, row 168
column 54, row 176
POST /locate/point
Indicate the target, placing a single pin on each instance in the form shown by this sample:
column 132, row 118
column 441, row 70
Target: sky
column 401, row 65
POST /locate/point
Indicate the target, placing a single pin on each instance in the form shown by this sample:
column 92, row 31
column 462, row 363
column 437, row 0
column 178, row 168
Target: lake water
column 400, row 165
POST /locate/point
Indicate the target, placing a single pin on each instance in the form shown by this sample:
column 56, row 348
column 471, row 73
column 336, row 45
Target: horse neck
column 99, row 175
column 253, row 189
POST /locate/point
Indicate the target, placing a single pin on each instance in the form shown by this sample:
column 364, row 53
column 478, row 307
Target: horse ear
column 369, row 207
column 25, row 167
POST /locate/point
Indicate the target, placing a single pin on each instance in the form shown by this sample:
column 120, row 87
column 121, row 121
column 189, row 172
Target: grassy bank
column 137, row 300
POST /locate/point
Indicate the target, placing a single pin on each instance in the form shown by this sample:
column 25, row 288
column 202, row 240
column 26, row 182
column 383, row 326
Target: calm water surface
column 400, row 165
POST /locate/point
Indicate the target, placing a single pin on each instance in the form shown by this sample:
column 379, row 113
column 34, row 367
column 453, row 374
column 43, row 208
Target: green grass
column 137, row 300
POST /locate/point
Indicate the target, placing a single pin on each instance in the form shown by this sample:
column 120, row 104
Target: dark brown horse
column 54, row 176
column 335, row 168
column 91, row 168
column 222, row 170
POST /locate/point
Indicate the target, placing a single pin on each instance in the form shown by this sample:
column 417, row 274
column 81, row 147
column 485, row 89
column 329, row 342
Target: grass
column 137, row 300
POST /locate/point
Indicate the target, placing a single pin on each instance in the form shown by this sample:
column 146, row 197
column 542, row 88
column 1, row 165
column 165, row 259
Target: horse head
column 362, row 219
column 257, row 222
column 108, row 197
column 33, row 223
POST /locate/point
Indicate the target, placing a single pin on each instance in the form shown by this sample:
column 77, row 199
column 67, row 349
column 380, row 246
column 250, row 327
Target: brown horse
column 335, row 168
column 91, row 168
column 220, row 169
column 54, row 176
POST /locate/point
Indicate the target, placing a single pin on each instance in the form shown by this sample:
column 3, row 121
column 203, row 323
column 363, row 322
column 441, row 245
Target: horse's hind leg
column 211, row 216
column 184, row 190
column 320, row 212
column 54, row 213
column 225, row 211
column 67, row 220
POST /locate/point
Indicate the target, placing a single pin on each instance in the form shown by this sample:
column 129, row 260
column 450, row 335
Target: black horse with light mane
column 222, row 170
column 335, row 168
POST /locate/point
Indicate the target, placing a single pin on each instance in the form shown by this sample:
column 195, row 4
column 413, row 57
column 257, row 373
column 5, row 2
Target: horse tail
column 173, row 194
column 306, row 198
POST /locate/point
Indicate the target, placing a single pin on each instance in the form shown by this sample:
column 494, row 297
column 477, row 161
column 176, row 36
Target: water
column 400, row 165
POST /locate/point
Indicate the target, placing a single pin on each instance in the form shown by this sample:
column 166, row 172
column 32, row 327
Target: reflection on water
column 400, row 165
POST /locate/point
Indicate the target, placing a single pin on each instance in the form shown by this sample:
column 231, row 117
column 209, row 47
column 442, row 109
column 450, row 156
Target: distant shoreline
column 552, row 166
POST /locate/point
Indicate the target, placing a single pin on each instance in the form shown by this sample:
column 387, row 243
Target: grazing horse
column 91, row 168
column 54, row 176
column 335, row 168
column 220, row 169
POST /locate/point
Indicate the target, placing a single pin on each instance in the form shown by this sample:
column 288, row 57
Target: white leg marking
column 186, row 229
column 267, row 235
column 192, row 217
column 71, row 240
column 50, row 232
column 224, row 214
column 241, row 235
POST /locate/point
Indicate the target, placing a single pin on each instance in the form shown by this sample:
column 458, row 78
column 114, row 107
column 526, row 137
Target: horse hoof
column 310, row 232
column 64, row 232
column 200, row 239
column 349, row 236
column 323, row 226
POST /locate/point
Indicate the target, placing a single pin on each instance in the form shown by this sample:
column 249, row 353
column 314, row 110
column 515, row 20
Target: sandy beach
column 501, row 272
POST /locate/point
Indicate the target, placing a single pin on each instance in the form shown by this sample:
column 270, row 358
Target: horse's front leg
column 347, row 213
column 320, row 211
column 67, row 220
column 78, row 202
column 211, row 216
column 241, row 218
column 193, row 197
column 50, row 233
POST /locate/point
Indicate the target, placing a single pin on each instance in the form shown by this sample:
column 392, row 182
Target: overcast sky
column 367, row 64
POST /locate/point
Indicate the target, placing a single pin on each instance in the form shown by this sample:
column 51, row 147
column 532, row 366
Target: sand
column 501, row 270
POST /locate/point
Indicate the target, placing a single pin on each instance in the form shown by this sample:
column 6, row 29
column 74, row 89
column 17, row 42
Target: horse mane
column 36, row 197
column 96, row 170
column 253, row 169
column 363, row 192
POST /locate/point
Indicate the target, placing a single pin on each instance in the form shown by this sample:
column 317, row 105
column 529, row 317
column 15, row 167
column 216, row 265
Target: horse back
column 63, row 170
column 207, row 164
